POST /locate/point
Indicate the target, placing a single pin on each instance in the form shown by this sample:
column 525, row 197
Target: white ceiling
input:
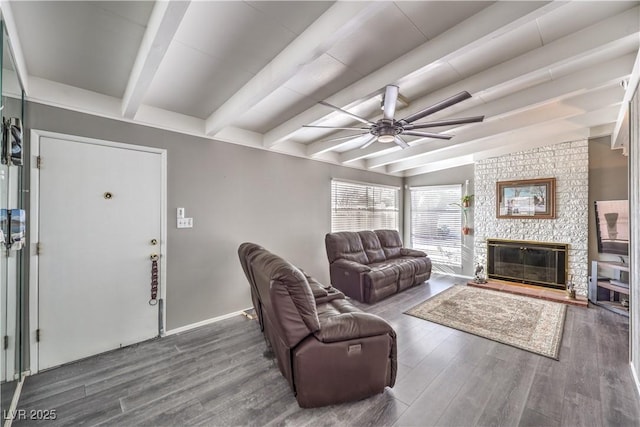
column 252, row 72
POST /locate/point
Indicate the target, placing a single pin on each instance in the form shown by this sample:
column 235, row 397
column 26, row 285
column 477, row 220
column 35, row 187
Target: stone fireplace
column 533, row 263
column 568, row 162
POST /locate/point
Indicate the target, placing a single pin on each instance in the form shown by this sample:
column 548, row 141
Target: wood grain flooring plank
column 52, row 401
column 531, row 418
column 468, row 404
column 617, row 397
column 210, row 354
column 433, row 401
column 382, row 410
column 419, row 345
column 547, row 391
column 582, row 375
column 582, row 411
column 507, row 401
column 420, row 378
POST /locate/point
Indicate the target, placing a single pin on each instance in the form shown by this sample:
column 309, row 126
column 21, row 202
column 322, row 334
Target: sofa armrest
column 412, row 252
column 351, row 265
column 347, row 326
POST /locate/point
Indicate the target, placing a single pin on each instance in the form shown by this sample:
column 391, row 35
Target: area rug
column 527, row 323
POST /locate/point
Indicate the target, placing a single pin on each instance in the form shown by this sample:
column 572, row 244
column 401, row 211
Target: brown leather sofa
column 328, row 350
column 371, row 265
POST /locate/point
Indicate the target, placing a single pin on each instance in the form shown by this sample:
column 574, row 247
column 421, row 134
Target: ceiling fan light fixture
column 388, row 130
column 385, row 139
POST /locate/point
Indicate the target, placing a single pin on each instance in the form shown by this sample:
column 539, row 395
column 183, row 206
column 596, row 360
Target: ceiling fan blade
column 357, row 135
column 369, row 142
column 360, row 119
column 390, row 100
column 333, row 127
column 427, row 134
column 437, row 107
column 401, row 142
column 449, row 122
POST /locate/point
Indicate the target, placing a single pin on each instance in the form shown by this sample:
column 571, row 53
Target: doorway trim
column 34, row 232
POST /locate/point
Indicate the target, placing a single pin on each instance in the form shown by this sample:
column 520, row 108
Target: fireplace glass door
column 542, row 264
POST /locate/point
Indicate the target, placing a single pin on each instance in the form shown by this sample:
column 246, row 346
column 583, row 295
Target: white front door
column 99, row 212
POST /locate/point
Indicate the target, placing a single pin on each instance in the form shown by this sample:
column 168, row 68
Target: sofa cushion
column 345, row 245
column 406, row 272
column 421, row 265
column 372, row 246
column 380, row 282
column 286, row 295
column 390, row 242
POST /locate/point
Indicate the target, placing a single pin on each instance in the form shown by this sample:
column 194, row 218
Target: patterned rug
column 531, row 324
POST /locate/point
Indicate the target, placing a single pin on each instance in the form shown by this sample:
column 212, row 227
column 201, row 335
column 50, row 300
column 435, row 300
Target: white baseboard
column 203, row 322
column 635, row 378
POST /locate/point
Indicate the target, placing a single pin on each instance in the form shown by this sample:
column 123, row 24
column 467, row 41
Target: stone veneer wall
column 569, row 164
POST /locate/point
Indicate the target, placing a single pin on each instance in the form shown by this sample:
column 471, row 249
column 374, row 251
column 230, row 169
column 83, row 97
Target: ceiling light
column 386, row 138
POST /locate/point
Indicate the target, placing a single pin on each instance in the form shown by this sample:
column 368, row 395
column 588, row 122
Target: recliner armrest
column 347, row 326
column 412, row 252
column 351, row 265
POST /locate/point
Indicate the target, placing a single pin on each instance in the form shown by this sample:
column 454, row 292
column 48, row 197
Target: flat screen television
column 612, row 226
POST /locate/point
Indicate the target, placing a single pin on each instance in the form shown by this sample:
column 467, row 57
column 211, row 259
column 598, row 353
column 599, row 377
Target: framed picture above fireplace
column 528, row 198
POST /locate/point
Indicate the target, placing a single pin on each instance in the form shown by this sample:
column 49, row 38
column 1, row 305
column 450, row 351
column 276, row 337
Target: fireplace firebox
column 534, row 263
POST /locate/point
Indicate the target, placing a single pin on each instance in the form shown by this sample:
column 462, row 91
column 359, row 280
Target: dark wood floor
column 220, row 375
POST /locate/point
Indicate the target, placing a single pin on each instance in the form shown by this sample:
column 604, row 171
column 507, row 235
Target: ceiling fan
column 387, row 129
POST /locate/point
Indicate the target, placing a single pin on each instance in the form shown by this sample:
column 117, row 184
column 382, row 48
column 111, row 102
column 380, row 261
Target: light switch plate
column 180, row 213
column 185, row 223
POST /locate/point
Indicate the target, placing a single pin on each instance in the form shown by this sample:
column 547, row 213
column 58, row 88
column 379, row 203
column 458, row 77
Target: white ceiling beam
column 161, row 28
column 507, row 131
column 601, row 42
column 489, row 23
column 554, row 91
column 14, row 44
column 320, row 147
column 340, row 20
column 544, row 138
column 620, row 138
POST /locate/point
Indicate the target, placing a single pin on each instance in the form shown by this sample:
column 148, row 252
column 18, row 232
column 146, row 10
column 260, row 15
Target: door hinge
column 38, row 162
column 6, row 342
column 37, row 335
column 38, row 248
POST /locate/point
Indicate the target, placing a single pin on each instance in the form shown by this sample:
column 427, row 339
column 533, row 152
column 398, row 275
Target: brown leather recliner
column 328, row 350
column 372, row 265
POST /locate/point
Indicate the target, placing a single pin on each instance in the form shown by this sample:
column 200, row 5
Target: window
column 357, row 206
column 436, row 224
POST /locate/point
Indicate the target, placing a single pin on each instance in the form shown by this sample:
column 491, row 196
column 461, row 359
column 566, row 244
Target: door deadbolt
column 108, row 195
column 154, row 242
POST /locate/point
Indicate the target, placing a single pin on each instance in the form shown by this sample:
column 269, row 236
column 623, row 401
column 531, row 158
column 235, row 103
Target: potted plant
column 465, row 228
column 466, row 200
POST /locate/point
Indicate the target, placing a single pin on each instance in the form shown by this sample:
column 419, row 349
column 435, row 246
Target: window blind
column 356, row 206
column 436, row 224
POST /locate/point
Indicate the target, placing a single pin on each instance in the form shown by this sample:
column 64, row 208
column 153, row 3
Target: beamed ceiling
column 253, row 72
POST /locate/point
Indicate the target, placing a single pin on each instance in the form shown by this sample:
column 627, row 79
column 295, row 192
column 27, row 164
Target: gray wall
column 445, row 177
column 234, row 194
column 608, row 180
